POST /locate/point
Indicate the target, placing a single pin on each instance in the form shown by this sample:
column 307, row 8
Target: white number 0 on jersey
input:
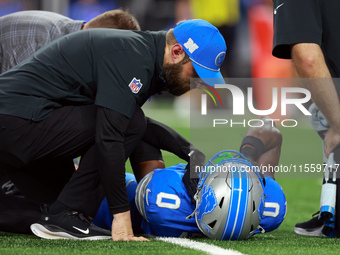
column 166, row 196
column 275, row 206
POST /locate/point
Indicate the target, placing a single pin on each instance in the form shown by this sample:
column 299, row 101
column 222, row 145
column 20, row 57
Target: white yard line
column 208, row 248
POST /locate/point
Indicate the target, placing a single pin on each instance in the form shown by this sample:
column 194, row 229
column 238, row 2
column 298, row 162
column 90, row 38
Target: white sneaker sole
column 40, row 231
column 314, row 232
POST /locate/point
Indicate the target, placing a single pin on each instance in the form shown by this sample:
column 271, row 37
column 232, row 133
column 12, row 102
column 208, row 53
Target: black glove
column 190, row 177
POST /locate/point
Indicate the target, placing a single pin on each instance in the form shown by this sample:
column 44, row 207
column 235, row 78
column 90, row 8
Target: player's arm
column 163, row 137
column 309, row 62
column 263, row 144
column 147, row 156
column 110, row 129
column 267, row 154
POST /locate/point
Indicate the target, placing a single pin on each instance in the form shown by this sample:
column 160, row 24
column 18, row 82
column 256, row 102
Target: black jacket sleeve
column 163, row 137
column 110, row 129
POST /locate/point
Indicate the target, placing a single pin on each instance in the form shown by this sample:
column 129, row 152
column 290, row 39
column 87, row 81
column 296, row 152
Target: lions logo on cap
column 219, row 59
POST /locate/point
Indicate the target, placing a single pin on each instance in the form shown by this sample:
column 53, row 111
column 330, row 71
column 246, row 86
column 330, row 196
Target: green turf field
column 300, row 146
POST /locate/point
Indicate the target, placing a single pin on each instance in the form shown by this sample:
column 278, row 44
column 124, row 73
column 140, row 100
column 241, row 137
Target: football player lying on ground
column 164, row 197
column 162, row 220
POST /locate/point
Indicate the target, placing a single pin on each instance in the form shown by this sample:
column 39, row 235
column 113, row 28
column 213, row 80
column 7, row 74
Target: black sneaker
column 313, row 227
column 68, row 225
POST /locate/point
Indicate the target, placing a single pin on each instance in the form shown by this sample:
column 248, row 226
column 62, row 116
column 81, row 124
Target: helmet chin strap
column 195, row 197
column 261, row 229
column 191, row 215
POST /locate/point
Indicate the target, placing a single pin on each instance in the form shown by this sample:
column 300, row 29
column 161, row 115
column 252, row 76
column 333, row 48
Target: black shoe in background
column 312, row 227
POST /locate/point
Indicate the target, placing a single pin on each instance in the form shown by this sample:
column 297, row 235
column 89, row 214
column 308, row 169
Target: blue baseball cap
column 205, row 46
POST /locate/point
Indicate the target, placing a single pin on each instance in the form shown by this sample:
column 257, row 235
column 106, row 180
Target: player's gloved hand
column 190, row 177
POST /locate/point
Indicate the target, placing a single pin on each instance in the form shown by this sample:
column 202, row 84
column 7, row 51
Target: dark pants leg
column 84, row 192
column 37, row 156
column 44, row 181
column 3, row 177
column 17, row 214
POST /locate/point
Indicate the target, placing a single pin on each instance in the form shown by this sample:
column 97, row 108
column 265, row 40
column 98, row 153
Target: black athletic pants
column 38, row 156
column 21, row 212
column 17, row 214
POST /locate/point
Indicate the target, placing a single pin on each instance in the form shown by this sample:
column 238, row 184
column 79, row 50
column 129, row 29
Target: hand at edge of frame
column 122, row 228
column 332, row 140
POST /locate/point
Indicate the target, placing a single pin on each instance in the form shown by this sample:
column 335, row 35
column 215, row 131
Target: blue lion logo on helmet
column 209, row 200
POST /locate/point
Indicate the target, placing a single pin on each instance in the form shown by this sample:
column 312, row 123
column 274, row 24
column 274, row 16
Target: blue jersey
column 164, row 203
column 275, row 206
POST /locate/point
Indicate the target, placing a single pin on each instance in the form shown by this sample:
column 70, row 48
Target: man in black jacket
column 81, row 95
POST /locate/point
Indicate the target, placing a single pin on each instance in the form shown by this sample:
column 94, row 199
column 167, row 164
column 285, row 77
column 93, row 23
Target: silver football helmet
column 230, row 198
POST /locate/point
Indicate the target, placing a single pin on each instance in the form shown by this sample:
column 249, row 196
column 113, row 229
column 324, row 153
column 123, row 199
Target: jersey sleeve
column 275, row 206
column 104, row 217
column 110, row 134
column 295, row 21
column 120, row 86
column 163, row 137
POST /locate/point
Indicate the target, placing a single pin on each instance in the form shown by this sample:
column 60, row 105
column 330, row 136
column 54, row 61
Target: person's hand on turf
column 122, row 228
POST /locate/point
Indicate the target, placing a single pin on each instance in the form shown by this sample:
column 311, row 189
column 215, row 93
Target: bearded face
column 177, row 80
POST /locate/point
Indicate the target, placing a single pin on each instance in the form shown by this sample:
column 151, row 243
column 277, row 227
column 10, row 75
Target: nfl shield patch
column 135, row 85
